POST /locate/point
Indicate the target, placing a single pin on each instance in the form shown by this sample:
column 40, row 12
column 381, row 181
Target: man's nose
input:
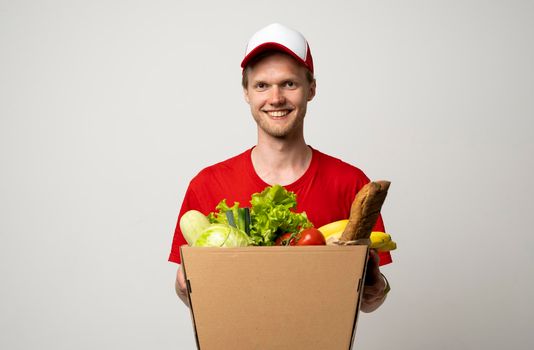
column 277, row 96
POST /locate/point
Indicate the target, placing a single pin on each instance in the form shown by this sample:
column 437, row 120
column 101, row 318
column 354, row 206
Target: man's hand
column 180, row 286
column 374, row 286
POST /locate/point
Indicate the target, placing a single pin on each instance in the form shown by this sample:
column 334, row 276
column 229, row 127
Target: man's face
column 278, row 93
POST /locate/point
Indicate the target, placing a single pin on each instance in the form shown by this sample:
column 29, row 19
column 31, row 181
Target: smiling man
column 278, row 83
column 278, row 93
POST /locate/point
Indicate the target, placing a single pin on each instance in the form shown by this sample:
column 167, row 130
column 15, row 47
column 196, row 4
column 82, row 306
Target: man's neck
column 281, row 161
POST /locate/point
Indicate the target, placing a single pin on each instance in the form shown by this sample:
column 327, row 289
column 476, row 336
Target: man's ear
column 245, row 95
column 313, row 87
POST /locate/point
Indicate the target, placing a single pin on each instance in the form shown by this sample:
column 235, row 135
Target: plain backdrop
column 108, row 108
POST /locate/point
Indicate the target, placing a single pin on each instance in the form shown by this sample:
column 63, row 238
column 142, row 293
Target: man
column 278, row 83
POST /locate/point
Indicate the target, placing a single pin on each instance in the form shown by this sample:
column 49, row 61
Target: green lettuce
column 271, row 214
column 219, row 216
column 222, row 236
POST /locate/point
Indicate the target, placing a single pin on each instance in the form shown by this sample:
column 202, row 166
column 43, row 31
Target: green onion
column 230, row 217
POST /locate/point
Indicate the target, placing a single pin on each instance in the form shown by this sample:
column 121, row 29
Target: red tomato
column 311, row 236
column 284, row 239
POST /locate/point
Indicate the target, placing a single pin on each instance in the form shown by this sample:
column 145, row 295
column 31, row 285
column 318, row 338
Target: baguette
column 364, row 211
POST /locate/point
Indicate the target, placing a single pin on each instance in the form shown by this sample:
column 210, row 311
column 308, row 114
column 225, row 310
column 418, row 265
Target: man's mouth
column 279, row 113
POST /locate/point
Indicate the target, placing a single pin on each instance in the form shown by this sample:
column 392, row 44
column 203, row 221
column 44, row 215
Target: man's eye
column 290, row 84
column 261, row 86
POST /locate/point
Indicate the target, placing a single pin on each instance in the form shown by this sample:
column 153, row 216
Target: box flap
column 274, row 297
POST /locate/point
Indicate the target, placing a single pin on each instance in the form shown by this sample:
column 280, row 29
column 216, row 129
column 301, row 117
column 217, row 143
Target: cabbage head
column 222, row 236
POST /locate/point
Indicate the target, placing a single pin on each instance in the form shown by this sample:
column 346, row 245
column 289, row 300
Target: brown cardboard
column 274, row 297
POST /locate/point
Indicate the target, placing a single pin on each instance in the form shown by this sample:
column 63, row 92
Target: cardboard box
column 275, row 297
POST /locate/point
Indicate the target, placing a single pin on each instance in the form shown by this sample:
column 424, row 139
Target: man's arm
column 180, row 286
column 374, row 289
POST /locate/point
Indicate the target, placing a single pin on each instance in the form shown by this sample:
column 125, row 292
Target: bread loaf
column 365, row 210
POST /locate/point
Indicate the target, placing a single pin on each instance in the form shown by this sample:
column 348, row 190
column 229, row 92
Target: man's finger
column 180, row 278
column 373, row 270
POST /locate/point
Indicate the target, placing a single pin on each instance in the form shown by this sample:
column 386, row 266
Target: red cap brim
column 272, row 46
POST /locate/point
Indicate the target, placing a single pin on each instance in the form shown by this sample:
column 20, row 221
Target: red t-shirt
column 325, row 191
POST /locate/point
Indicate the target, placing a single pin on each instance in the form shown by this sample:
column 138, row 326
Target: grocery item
column 192, row 223
column 365, row 210
column 380, row 241
column 222, row 236
column 271, row 214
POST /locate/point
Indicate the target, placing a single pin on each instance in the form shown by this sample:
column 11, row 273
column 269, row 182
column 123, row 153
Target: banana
column 380, row 241
column 391, row 245
column 333, row 228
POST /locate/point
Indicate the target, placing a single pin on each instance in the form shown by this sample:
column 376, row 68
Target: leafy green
column 271, row 214
column 233, row 216
column 219, row 216
column 223, row 236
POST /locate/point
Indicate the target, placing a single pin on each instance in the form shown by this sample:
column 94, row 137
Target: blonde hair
column 244, row 78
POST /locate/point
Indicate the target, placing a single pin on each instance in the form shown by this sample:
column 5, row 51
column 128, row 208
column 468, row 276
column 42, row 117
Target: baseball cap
column 280, row 38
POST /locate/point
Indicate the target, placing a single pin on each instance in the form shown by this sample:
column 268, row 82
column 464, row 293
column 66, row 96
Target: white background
column 108, row 108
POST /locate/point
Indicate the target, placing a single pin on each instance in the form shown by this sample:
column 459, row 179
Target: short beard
column 279, row 133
